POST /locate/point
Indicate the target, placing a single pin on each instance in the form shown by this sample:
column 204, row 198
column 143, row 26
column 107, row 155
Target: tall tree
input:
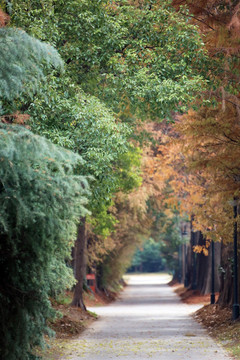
column 86, row 126
column 127, row 54
column 41, row 198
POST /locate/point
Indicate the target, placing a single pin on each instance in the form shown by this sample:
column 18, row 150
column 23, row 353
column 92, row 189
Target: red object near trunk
column 91, row 281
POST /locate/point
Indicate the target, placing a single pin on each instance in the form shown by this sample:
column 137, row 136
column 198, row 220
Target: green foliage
column 148, row 258
column 142, row 60
column 83, row 124
column 61, row 274
column 131, row 230
column 64, row 298
column 22, row 63
column 146, row 59
column 166, row 230
column 41, row 201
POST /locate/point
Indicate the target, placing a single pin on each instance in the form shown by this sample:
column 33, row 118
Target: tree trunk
column 207, row 283
column 80, row 264
column 226, row 289
column 188, row 267
column 203, row 266
column 199, row 266
column 192, row 276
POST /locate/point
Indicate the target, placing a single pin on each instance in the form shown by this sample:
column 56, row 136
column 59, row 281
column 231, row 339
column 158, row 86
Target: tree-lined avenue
column 148, row 321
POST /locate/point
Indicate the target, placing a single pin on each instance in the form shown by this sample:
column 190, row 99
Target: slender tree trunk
column 80, row 264
column 188, row 267
column 199, row 266
column 226, row 290
column 207, row 283
column 204, row 268
column 193, row 259
column 203, row 265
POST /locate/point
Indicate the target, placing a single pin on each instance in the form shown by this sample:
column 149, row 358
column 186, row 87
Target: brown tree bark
column 192, row 261
column 199, row 266
column 206, row 287
column 80, row 264
column 226, row 288
column 204, row 270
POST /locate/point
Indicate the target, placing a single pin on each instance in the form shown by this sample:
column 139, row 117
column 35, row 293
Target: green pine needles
column 22, row 62
column 41, row 201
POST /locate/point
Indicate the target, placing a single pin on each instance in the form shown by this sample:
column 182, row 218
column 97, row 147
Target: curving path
column 147, row 322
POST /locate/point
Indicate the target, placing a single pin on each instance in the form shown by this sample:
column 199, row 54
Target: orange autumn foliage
column 202, row 165
column 4, row 19
column 200, row 153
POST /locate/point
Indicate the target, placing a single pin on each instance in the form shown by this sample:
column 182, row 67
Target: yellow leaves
column 200, row 249
column 205, row 251
column 172, row 202
column 197, row 198
column 169, row 214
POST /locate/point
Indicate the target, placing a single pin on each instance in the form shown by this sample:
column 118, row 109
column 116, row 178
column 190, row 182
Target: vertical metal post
column 183, row 263
column 213, row 275
column 186, row 267
column 235, row 312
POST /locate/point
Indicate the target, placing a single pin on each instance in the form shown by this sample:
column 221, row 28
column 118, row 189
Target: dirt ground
column 71, row 320
column 192, row 296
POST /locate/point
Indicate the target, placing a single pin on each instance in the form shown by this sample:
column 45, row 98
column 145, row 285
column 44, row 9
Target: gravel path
column 147, row 322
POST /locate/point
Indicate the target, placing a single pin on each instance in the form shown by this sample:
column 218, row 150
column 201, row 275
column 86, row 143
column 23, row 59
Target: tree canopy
column 148, row 58
column 86, row 81
column 41, row 198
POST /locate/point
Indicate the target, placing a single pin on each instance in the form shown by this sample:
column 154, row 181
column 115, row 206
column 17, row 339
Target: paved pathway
column 147, row 322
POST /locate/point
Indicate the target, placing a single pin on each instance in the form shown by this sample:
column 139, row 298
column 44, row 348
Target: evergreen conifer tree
column 41, row 199
column 22, row 63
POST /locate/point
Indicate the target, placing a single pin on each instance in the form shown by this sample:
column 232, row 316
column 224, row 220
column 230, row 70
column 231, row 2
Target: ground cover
column 148, row 321
column 216, row 319
column 71, row 321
